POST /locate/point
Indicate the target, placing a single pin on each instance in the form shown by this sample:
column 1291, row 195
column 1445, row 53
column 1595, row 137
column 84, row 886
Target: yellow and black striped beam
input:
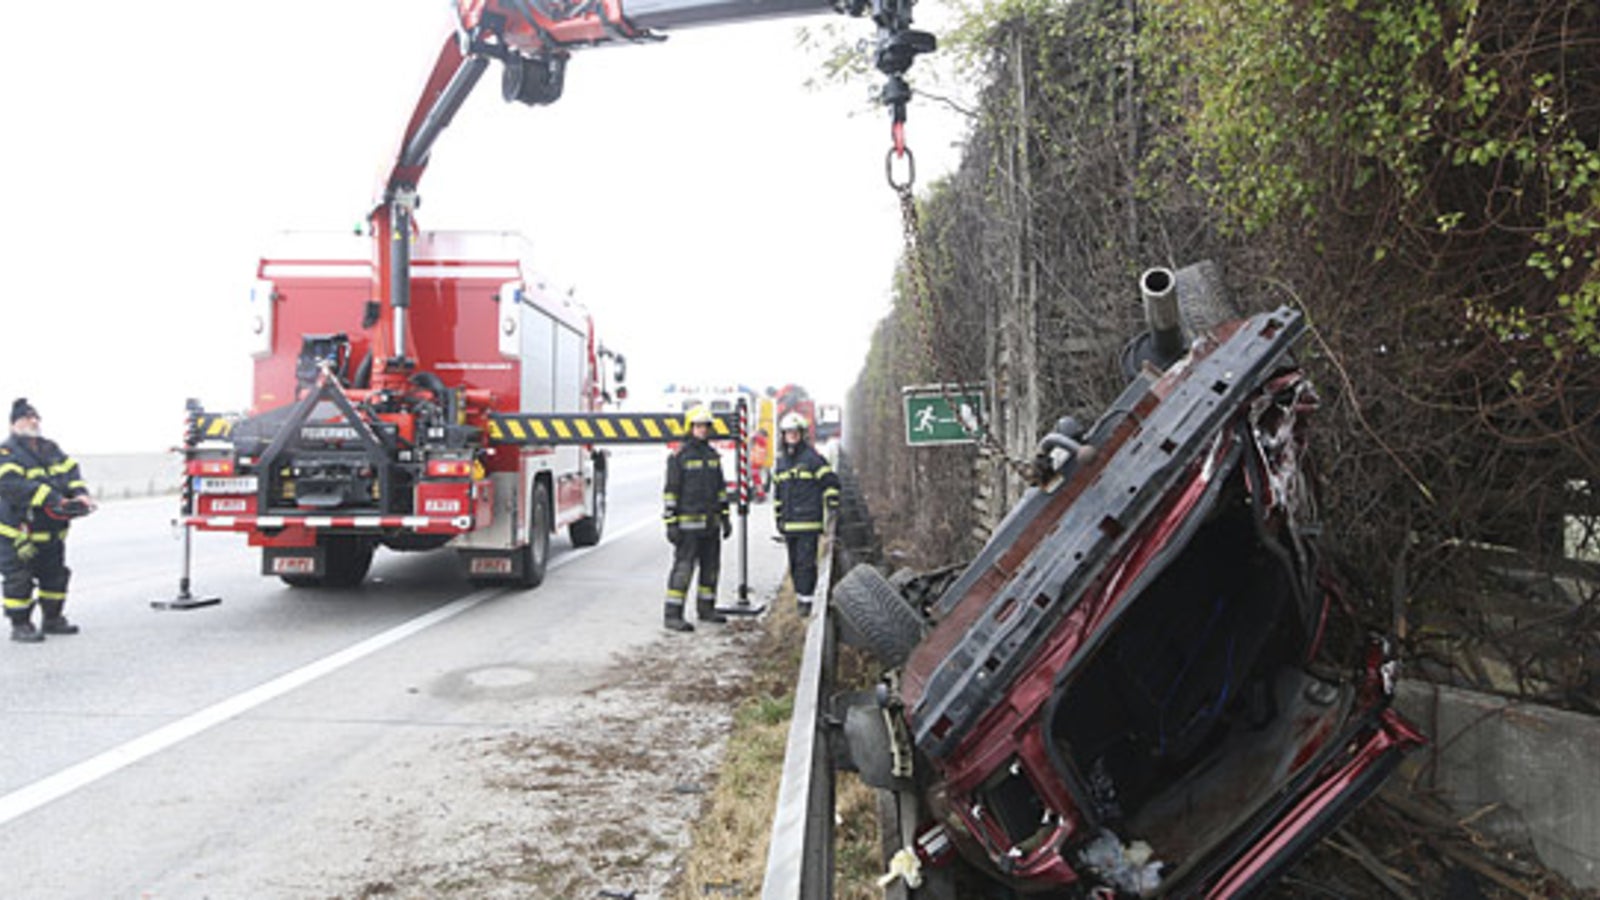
column 599, row 428
column 212, row 425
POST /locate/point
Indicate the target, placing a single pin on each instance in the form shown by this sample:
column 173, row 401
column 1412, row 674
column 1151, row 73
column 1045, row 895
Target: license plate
column 245, row 484
column 490, row 565
column 295, row 565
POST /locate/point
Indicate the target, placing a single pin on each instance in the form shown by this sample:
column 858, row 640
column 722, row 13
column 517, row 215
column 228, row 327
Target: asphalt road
column 163, row 753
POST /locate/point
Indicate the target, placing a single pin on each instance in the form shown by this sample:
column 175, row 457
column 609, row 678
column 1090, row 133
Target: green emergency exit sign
column 931, row 420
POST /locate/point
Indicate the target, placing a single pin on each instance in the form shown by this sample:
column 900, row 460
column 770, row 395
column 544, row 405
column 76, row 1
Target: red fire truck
column 328, row 466
column 416, row 389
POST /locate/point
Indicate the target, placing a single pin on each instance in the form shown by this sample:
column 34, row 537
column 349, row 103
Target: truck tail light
column 449, row 468
column 218, row 466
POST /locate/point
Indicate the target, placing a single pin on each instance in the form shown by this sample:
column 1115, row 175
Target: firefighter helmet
column 792, row 422
column 699, row 415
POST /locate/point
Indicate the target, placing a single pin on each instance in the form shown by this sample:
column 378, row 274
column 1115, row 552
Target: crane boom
column 533, row 39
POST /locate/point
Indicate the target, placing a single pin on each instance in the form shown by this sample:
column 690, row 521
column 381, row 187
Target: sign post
column 930, row 420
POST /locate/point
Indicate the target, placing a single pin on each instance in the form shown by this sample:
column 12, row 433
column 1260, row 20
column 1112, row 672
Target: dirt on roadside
column 594, row 797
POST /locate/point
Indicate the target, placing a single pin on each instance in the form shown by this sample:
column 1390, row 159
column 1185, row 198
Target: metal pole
column 744, row 503
column 185, row 599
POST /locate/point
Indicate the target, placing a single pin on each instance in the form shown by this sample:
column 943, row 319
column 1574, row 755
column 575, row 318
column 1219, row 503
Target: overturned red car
column 1132, row 690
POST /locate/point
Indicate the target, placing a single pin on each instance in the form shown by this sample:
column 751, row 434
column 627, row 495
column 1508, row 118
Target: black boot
column 54, row 621
column 706, row 611
column 22, row 630
column 674, row 618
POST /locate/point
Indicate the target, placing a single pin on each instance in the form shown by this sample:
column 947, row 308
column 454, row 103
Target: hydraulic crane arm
column 533, row 39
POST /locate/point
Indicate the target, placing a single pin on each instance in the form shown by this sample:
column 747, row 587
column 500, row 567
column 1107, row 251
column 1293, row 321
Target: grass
column 728, row 855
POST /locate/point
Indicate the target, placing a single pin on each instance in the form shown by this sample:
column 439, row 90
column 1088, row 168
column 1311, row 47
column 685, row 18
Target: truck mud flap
column 494, row 565
column 305, row 561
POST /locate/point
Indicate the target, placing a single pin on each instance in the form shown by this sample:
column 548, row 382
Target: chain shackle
column 900, row 152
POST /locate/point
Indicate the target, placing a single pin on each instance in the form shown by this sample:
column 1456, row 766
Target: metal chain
column 927, row 310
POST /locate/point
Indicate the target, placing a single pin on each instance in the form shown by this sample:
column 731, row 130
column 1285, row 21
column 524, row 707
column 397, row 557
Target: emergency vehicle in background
column 328, row 465
column 792, row 398
column 829, row 423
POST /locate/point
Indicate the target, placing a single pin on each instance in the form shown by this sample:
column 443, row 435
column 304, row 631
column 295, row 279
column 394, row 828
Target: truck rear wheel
column 536, row 555
column 349, row 556
column 586, row 531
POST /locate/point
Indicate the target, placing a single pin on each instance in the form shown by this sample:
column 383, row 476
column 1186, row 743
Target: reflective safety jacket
column 696, row 495
column 804, row 485
column 35, row 476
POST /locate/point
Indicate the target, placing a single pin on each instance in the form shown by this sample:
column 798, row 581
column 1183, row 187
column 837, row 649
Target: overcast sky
column 721, row 221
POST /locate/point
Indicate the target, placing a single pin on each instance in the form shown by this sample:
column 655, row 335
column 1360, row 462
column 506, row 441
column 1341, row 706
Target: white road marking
column 54, row 787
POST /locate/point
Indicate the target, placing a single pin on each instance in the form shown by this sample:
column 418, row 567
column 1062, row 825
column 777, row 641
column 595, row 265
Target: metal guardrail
column 800, row 852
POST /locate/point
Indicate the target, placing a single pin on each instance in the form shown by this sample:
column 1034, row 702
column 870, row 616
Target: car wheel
column 876, row 617
column 868, row 743
column 1203, row 299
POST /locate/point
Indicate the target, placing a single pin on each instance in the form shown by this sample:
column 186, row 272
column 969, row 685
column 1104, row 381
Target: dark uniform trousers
column 38, row 559
column 803, row 561
column 697, row 548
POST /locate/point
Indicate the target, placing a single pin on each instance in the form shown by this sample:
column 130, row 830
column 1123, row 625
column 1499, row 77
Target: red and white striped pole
column 744, row 502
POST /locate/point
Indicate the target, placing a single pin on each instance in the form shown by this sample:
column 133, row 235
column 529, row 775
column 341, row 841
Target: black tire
column 869, row 746
column 873, row 615
column 586, row 532
column 302, row 581
column 536, row 555
column 1203, row 299
column 348, row 557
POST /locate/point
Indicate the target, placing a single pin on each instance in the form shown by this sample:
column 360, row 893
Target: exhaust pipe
column 1159, row 288
column 1163, row 342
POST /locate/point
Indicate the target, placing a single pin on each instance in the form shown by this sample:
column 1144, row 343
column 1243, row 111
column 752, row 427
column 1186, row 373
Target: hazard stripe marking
column 555, row 429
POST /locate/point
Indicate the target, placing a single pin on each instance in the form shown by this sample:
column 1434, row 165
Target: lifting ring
column 910, row 167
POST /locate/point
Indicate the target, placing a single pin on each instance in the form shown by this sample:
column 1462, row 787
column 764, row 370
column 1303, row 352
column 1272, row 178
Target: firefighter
column 41, row 491
column 806, row 492
column 696, row 514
